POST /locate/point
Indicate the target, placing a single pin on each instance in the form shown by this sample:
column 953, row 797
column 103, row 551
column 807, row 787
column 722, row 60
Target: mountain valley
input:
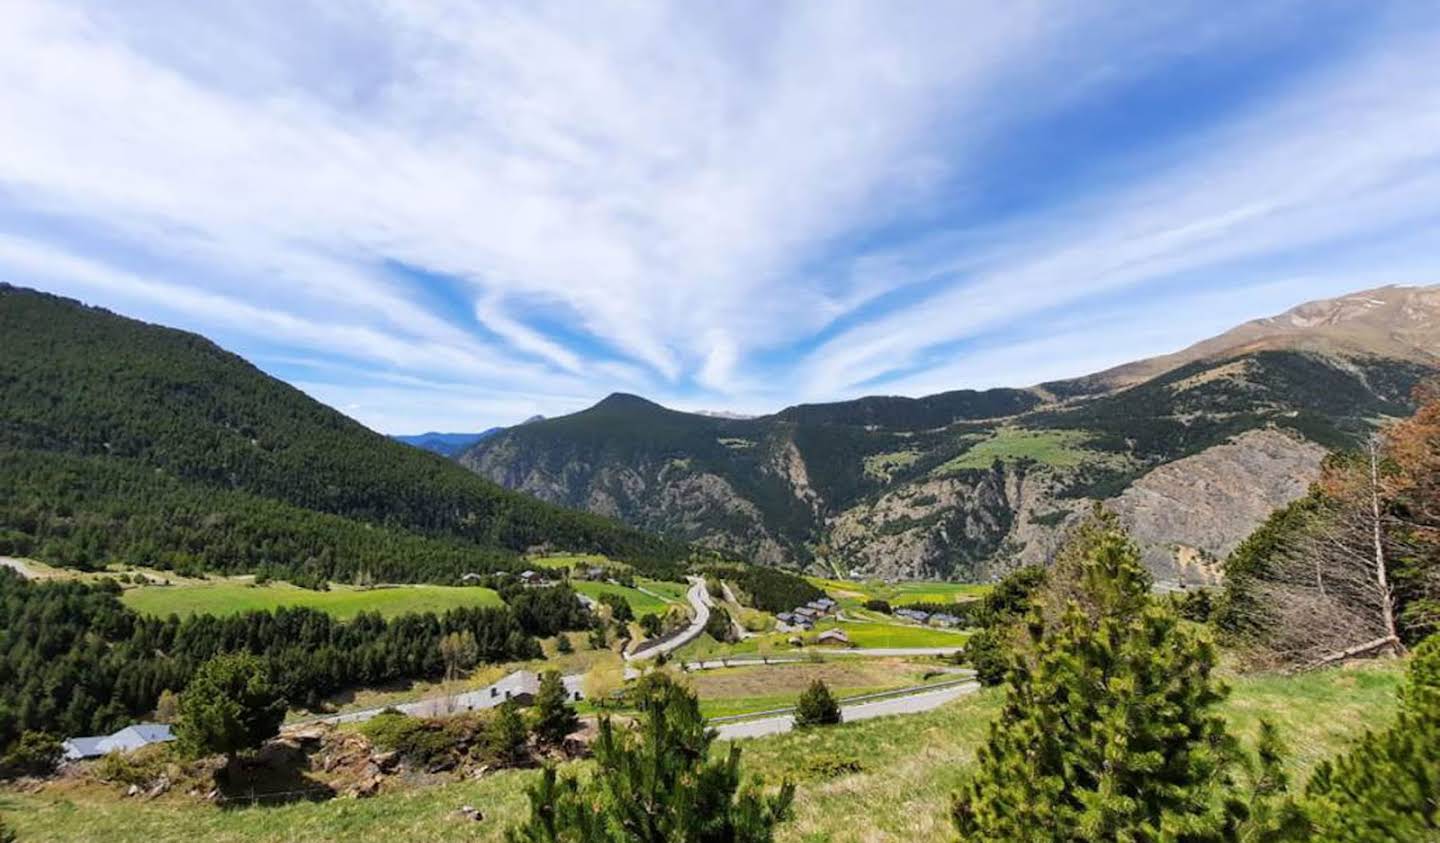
column 1194, row 449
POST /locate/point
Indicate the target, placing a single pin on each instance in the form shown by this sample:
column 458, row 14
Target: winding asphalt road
column 700, row 600
column 908, row 704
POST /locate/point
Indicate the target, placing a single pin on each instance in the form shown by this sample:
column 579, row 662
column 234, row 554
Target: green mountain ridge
column 969, row 484
column 120, row 439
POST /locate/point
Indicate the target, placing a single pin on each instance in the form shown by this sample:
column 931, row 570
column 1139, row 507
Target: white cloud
column 685, row 184
column 1354, row 152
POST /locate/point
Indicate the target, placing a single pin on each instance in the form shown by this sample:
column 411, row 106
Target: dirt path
column 18, row 566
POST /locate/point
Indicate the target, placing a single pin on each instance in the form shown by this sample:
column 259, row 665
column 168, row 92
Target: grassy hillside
column 908, row 770
column 228, row 598
column 101, row 411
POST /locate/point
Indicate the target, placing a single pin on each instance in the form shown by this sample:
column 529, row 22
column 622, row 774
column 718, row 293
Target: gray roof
column 520, row 683
column 87, row 747
column 125, row 740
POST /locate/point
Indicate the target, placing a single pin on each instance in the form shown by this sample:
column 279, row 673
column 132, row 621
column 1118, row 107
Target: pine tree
column 563, row 645
column 655, row 783
column 986, row 653
column 229, row 706
column 817, row 707
column 506, row 736
column 555, row 719
column 598, row 639
column 1108, row 730
column 1388, row 787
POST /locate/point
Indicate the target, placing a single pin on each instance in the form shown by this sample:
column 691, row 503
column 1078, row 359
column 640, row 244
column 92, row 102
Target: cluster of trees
column 74, row 660
column 546, row 611
column 84, row 382
column 656, row 781
column 1353, row 567
column 719, row 626
column 620, row 609
column 767, row 589
column 86, row 512
column 1109, row 730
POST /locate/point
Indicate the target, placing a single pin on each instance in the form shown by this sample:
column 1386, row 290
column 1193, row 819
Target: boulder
column 470, row 812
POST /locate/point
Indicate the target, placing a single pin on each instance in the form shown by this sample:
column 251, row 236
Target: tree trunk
column 1382, row 582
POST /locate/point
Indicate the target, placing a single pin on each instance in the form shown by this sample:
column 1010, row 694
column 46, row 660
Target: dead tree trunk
column 1382, row 582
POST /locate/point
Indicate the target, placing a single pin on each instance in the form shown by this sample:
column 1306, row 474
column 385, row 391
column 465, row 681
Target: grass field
column 672, row 591
column 1052, row 447
column 861, row 634
column 225, row 598
column 850, row 593
column 744, row 690
column 896, row 635
column 570, row 560
column 910, row 767
column 640, row 602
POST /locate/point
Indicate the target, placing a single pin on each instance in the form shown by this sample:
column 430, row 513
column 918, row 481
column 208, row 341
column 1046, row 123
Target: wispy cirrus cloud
column 737, row 206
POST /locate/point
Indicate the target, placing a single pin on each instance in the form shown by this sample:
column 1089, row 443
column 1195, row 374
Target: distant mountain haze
column 1193, row 448
column 446, row 444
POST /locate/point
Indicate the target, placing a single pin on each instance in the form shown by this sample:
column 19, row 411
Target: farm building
column 522, row 686
column 125, row 740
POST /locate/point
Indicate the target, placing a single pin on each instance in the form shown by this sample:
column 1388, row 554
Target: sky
column 450, row 216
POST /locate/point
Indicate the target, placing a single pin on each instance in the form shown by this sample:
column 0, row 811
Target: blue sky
column 440, row 215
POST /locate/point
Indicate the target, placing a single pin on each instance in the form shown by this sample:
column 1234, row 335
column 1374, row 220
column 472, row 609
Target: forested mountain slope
column 965, row 484
column 120, row 439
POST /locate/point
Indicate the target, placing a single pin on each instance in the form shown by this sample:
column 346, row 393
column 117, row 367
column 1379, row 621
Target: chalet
column 471, row 577
column 806, row 612
column 944, row 619
column 521, row 688
column 533, row 578
column 824, row 603
column 834, row 636
column 127, row 739
column 786, row 617
column 913, row 614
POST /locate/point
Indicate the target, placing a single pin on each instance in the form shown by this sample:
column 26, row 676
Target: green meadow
column 640, row 602
column 230, row 597
column 905, row 770
column 852, row 593
column 1009, row 444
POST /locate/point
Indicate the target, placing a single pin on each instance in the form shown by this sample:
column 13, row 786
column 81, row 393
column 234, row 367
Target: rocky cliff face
column 1189, row 514
column 669, row 496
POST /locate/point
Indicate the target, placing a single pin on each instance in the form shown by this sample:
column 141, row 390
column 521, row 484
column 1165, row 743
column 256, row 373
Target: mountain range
column 1193, row 449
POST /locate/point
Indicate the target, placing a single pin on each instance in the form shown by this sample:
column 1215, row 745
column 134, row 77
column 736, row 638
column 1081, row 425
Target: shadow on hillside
column 337, row 701
column 273, row 777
